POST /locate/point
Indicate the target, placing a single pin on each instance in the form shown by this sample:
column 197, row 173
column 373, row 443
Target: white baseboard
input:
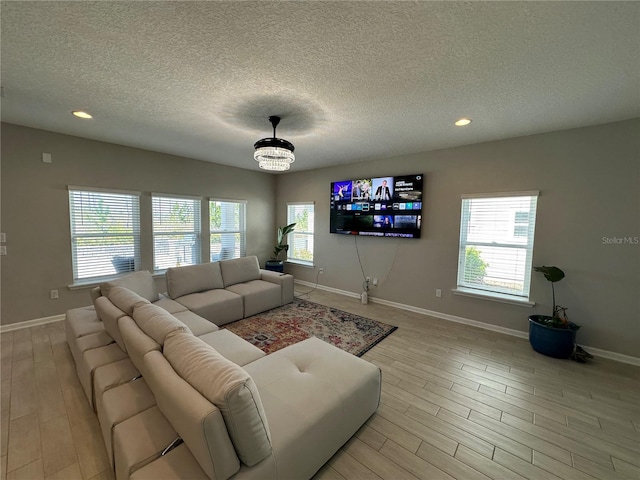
column 452, row 318
column 618, row 357
column 596, row 352
column 328, row 289
column 31, row 323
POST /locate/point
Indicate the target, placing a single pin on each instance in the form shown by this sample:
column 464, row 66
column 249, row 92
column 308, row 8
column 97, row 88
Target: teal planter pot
column 550, row 341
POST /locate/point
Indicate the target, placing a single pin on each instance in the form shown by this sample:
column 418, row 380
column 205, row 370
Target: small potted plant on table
column 554, row 336
column 275, row 264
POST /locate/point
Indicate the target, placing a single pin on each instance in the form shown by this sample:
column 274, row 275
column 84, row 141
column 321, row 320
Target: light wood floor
column 457, row 402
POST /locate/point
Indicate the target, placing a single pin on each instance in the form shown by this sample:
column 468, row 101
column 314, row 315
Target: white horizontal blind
column 300, row 241
column 105, row 233
column 176, row 231
column 496, row 243
column 227, row 227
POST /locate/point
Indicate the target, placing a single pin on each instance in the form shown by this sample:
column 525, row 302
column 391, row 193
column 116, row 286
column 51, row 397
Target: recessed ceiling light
column 81, row 114
column 462, row 122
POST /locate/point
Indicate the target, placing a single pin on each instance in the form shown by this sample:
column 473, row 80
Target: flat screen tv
column 381, row 207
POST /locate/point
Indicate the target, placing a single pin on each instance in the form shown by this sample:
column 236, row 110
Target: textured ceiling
column 352, row 80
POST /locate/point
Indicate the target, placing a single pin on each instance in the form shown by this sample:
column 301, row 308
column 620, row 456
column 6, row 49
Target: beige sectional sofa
column 177, row 397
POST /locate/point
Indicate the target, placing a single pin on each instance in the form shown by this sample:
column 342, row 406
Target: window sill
column 80, row 286
column 493, row 297
column 301, row 263
column 98, row 282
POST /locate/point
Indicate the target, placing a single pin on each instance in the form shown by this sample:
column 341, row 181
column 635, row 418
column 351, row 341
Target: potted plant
column 275, row 264
column 555, row 335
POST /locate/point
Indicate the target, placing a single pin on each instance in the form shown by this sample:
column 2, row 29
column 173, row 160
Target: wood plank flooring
column 458, row 402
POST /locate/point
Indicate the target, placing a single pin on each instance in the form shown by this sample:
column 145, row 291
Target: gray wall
column 35, row 208
column 589, row 180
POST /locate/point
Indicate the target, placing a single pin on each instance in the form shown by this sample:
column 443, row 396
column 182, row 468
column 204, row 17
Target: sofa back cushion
column 230, row 388
column 140, row 282
column 198, row 422
column 125, row 299
column 193, row 279
column 95, row 294
column 157, row 322
column 138, row 343
column 110, row 314
column 240, row 270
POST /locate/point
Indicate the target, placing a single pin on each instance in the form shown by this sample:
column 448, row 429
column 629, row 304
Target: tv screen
column 382, row 207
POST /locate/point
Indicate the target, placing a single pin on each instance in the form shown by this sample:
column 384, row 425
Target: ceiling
column 351, row 80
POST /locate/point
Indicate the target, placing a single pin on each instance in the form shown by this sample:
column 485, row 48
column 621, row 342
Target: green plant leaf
column 282, row 235
column 553, row 274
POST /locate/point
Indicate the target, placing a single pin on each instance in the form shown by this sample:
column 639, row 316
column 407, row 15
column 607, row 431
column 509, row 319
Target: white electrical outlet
column 438, row 293
column 375, row 282
column 46, row 158
column 53, row 294
column 368, row 279
column 321, row 271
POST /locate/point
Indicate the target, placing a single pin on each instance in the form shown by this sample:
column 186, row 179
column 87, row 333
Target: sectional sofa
column 178, row 397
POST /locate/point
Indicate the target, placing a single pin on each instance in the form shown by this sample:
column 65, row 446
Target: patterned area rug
column 297, row 321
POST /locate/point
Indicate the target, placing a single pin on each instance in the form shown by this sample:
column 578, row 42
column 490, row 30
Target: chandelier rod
column 275, row 120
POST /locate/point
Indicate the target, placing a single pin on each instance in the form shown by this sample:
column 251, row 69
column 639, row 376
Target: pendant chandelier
column 274, row 154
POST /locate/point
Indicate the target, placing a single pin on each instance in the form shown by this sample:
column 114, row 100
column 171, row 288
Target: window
column 496, row 244
column 105, row 233
column 176, row 231
column 228, row 229
column 300, row 241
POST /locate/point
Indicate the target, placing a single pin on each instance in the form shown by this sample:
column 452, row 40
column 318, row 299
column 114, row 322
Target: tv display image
column 382, row 207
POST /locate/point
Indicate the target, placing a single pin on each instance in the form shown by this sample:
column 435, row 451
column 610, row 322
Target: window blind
column 227, row 228
column 105, row 233
column 176, row 231
column 300, row 241
column 496, row 243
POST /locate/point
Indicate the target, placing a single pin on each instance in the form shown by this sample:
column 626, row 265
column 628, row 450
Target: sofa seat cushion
column 218, row 306
column 193, row 278
column 228, row 387
column 316, row 397
column 257, row 296
column 240, row 270
column 140, row 440
column 94, row 340
column 157, row 323
column 178, row 464
column 110, row 376
column 232, row 347
column 92, row 359
column 197, row 324
column 82, row 321
column 121, row 403
column 140, row 282
column 170, row 305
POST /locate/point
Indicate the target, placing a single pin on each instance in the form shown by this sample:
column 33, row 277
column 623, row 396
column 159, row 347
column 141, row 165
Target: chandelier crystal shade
column 274, row 154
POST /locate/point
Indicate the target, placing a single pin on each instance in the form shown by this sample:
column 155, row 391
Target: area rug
column 275, row 329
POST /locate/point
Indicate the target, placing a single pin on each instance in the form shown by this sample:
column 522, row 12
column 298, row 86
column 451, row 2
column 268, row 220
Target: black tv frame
column 377, row 206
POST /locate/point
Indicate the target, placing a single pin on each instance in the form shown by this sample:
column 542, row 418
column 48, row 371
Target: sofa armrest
column 284, row 280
